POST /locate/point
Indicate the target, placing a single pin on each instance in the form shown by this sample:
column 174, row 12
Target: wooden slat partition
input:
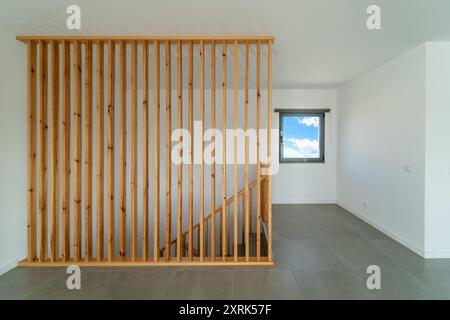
column 213, row 152
column 246, row 203
column 88, row 156
column 258, row 157
column 236, row 126
column 82, row 56
column 202, row 167
column 32, row 120
column 66, row 151
column 145, row 153
column 43, row 119
column 180, row 140
column 156, row 145
column 110, row 143
column 168, row 151
column 191, row 147
column 54, row 202
column 133, row 166
column 77, row 147
column 100, row 149
column 269, row 150
column 224, row 152
column 123, row 150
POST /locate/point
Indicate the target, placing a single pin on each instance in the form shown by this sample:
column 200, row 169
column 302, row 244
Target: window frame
column 300, row 113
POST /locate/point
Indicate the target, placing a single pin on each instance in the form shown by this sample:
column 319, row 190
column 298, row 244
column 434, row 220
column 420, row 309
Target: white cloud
column 301, row 148
column 291, row 153
column 308, row 121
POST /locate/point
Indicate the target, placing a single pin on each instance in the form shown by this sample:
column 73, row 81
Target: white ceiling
column 319, row 43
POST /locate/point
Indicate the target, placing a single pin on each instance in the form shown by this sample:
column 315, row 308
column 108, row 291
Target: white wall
column 437, row 159
column 13, row 135
column 394, row 160
column 307, row 182
column 381, row 158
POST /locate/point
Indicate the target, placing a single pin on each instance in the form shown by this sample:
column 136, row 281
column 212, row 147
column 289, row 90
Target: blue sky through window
column 301, row 136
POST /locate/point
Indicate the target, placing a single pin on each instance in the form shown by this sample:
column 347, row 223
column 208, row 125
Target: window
column 302, row 135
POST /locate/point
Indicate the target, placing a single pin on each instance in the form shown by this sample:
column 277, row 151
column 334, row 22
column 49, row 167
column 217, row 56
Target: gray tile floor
column 320, row 251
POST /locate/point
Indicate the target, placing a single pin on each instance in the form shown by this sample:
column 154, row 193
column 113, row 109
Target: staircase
column 252, row 245
column 257, row 246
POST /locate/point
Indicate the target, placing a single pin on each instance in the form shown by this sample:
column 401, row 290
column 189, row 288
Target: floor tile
column 21, row 282
column 304, row 255
column 399, row 284
column 209, row 283
column 130, row 283
column 332, row 285
column 264, row 284
column 359, row 254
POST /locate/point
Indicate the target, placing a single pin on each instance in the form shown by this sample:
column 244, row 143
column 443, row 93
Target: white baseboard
column 387, row 232
column 7, row 267
column 302, row 201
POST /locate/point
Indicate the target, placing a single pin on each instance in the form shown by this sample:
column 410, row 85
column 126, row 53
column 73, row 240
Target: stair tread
column 252, row 245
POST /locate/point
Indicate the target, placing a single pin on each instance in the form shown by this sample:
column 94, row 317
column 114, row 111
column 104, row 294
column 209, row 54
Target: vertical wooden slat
column 206, row 234
column 156, row 146
column 123, row 151
column 228, row 220
column 145, row 151
column 191, row 142
column 236, row 110
column 243, row 218
column 213, row 152
column 43, row 104
column 264, row 197
column 88, row 158
column 224, row 153
column 180, row 165
column 250, row 210
column 110, row 176
column 32, row 116
column 202, row 169
column 133, row 199
column 246, row 203
column 168, row 231
column 66, row 151
column 198, row 240
column 269, row 152
column 100, row 149
column 258, row 160
column 55, row 153
column 77, row 131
